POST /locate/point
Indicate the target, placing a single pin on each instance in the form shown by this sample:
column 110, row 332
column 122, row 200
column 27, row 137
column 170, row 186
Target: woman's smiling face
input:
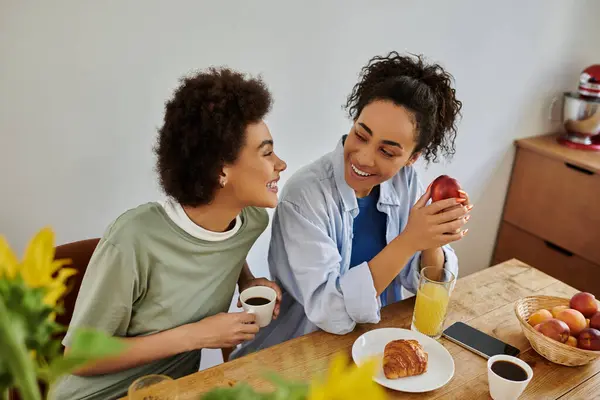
column 380, row 143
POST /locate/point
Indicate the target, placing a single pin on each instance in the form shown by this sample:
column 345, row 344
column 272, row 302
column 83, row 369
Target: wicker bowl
column 550, row 349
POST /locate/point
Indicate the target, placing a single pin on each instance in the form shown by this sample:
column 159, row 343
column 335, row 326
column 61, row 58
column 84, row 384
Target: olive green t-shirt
column 148, row 275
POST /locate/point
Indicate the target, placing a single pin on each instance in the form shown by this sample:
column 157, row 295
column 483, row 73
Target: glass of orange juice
column 433, row 296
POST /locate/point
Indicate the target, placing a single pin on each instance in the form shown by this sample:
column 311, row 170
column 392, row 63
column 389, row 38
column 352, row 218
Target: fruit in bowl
column 576, row 325
column 574, row 319
column 585, row 303
column 589, row 339
column 595, row 321
column 539, row 316
column 572, row 341
column 557, row 309
column 554, row 329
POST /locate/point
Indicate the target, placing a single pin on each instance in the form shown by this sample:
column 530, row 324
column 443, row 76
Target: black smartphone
column 478, row 342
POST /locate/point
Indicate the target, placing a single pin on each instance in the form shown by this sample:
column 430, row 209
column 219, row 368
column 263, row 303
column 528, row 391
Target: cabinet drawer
column 545, row 256
column 556, row 201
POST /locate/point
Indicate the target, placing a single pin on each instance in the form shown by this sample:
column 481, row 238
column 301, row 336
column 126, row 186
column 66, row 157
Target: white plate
column 440, row 366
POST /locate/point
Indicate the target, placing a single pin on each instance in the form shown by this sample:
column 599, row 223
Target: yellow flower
column 39, row 264
column 52, row 295
column 39, row 269
column 58, row 288
column 347, row 383
column 8, row 261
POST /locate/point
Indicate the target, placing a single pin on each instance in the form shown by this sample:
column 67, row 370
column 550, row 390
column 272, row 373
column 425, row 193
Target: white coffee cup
column 505, row 389
column 264, row 312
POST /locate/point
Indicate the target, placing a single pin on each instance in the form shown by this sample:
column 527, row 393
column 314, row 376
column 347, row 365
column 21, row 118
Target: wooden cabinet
column 551, row 218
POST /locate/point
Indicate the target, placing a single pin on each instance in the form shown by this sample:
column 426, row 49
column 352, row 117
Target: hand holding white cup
column 508, row 377
column 260, row 301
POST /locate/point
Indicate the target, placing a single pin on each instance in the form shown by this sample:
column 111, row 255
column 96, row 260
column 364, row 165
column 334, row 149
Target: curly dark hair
column 424, row 89
column 204, row 130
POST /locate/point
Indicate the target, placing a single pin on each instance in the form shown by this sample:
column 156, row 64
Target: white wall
column 82, row 88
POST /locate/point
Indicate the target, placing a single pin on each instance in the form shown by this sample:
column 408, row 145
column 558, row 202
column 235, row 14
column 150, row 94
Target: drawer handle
column 579, row 169
column 558, row 248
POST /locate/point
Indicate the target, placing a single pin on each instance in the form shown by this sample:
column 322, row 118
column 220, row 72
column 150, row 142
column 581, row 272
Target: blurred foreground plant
column 31, row 293
column 341, row 382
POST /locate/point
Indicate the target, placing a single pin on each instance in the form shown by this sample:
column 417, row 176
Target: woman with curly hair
column 355, row 227
column 163, row 275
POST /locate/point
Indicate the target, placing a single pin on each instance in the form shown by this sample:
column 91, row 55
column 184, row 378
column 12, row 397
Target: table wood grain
column 484, row 300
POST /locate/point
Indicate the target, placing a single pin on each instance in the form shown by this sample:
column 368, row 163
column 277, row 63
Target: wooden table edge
column 513, row 262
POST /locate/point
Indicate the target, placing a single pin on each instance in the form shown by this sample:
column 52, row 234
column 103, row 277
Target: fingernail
column 470, row 207
column 467, row 218
column 464, row 233
column 460, row 200
column 462, row 191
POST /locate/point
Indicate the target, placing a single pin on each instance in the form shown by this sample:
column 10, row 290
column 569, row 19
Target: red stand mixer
column 581, row 112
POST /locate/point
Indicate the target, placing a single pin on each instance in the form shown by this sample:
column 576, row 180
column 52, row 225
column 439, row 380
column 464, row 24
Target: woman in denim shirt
column 356, row 226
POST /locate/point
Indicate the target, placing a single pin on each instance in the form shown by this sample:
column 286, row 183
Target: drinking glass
column 154, row 387
column 433, row 296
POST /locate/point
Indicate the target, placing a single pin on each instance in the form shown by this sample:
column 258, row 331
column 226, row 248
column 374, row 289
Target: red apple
column 585, row 303
column 555, row 329
column 595, row 321
column 589, row 339
column 444, row 187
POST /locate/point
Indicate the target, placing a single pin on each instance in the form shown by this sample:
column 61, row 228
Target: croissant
column 402, row 358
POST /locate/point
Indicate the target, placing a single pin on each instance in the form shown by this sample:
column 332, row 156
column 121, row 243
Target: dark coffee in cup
column 509, row 370
column 257, row 301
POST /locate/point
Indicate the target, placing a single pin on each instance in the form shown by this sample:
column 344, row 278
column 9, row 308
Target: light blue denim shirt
column 311, row 245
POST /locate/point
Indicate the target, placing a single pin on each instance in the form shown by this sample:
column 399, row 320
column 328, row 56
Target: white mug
column 264, row 312
column 504, row 389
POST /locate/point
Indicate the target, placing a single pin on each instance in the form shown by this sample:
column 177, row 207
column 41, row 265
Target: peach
column 555, row 329
column 574, row 319
column 595, row 321
column 589, row 339
column 585, row 303
column 557, row 309
column 539, row 317
column 571, row 341
column 587, row 322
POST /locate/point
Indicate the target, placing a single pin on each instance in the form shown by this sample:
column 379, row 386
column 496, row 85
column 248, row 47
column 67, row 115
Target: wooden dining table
column 483, row 300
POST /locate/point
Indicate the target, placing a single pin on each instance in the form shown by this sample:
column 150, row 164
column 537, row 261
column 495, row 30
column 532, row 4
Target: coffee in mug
column 260, row 301
column 508, row 377
column 257, row 301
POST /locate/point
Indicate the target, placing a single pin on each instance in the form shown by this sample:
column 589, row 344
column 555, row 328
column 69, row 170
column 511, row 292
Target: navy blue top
column 369, row 231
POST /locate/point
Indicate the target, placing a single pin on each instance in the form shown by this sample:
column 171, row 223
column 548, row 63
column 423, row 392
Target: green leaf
column 53, row 350
column 95, row 344
column 284, row 390
column 88, row 345
column 5, row 392
column 12, row 347
column 287, row 389
column 241, row 391
column 62, row 366
column 6, row 380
